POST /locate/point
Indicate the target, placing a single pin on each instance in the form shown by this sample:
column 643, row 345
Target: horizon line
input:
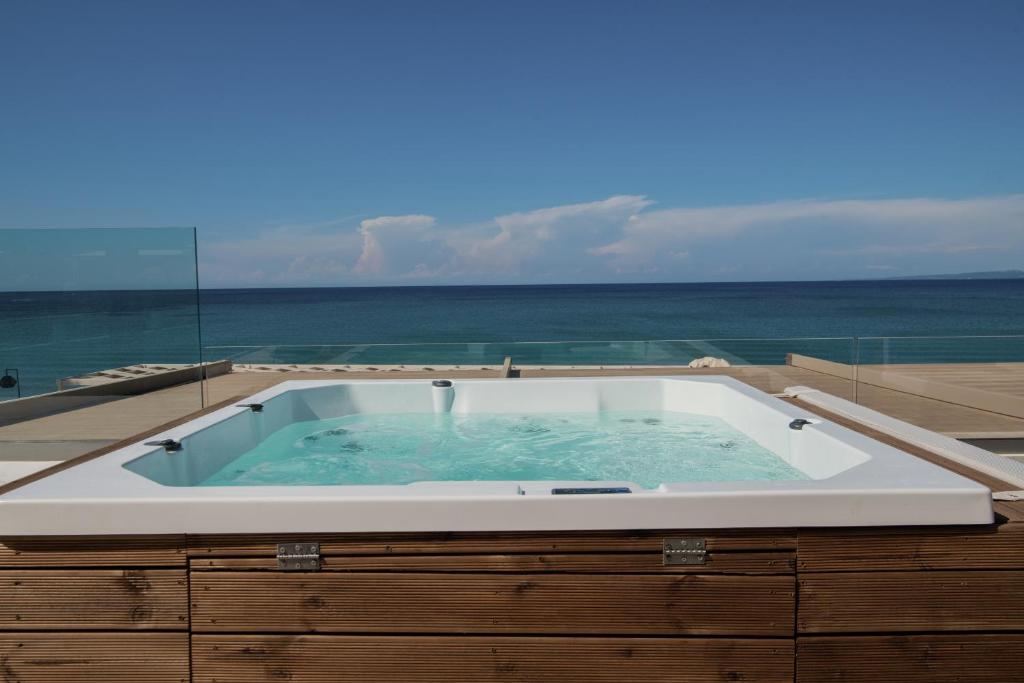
column 945, row 277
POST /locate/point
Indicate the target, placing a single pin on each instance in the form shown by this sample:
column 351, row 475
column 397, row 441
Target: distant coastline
column 981, row 275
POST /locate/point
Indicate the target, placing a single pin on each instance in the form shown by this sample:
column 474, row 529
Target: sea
column 45, row 336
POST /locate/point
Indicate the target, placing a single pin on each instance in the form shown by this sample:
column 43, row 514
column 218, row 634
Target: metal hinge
column 298, row 557
column 1008, row 495
column 684, row 551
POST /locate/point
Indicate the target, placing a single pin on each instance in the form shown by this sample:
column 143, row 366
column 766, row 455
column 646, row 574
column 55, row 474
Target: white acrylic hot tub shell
column 854, row 480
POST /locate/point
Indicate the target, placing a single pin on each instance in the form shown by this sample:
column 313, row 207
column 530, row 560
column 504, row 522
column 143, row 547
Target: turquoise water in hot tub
column 647, row 448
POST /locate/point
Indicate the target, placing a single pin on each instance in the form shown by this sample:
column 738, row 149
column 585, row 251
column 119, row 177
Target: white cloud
column 622, row 237
column 402, row 246
column 833, row 228
column 545, row 240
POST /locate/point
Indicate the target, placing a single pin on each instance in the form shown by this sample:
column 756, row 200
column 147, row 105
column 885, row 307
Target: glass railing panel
column 90, row 317
column 961, row 386
column 770, row 364
column 940, row 350
column 774, row 365
column 555, row 353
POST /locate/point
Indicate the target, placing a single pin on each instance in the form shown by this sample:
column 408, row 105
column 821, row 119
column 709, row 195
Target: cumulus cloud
column 545, row 241
column 811, row 237
column 943, row 222
column 402, row 246
column 625, row 237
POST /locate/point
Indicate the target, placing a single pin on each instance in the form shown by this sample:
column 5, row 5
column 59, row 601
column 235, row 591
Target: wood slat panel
column 98, row 599
column 985, row 547
column 89, row 551
column 94, row 657
column 600, row 563
column 489, row 543
column 884, row 602
column 978, row 658
column 365, row 659
column 492, row 603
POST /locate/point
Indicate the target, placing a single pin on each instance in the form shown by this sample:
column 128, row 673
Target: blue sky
column 423, row 143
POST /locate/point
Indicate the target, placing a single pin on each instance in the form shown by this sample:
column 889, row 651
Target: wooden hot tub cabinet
column 903, row 604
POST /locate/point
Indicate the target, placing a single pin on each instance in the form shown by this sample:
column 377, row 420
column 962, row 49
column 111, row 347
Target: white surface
column 16, row 469
column 994, row 465
column 854, row 481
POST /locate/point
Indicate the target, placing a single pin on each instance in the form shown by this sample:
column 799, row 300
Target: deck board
column 887, row 602
column 913, row 548
column 73, row 657
column 933, row 658
column 484, row 659
column 96, row 599
column 336, row 602
column 108, row 551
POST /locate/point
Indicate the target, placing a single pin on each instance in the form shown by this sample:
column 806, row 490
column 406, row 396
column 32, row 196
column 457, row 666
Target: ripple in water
column 647, row 448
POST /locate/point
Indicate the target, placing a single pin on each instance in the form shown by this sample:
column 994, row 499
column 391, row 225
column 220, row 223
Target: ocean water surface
column 49, row 335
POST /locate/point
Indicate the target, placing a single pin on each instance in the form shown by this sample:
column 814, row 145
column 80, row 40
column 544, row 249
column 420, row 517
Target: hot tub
column 497, row 455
